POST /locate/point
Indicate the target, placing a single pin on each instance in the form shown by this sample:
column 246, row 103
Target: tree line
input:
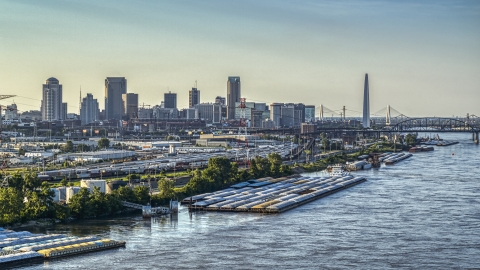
column 27, row 198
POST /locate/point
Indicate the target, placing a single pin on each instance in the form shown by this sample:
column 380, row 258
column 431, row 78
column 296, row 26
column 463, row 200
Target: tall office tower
column 233, row 95
column 276, row 113
column 115, row 87
column 366, row 104
column 130, row 105
column 89, row 111
column 309, row 113
column 52, row 100
column 64, row 110
column 170, row 100
column 193, row 97
column 288, row 115
column 300, row 107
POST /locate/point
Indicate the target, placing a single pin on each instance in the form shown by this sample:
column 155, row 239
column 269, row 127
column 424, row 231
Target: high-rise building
column 170, row 100
column 210, row 112
column 256, row 119
column 249, row 107
column 366, row 104
column 276, row 113
column 309, row 113
column 52, row 100
column 130, row 105
column 193, row 97
column 115, row 87
column 64, row 110
column 288, row 115
column 12, row 112
column 233, row 95
column 300, row 107
column 89, row 111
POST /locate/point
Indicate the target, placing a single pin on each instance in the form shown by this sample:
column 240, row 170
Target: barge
column 273, row 196
column 19, row 248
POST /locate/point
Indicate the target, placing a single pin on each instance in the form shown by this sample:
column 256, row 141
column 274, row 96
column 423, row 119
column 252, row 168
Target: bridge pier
column 475, row 137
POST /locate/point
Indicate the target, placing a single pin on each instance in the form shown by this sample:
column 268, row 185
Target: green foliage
column 86, row 204
column 64, row 182
column 165, row 188
column 11, row 205
column 67, row 147
column 83, row 147
column 142, row 194
column 103, row 143
column 21, row 152
column 325, row 141
column 411, row 139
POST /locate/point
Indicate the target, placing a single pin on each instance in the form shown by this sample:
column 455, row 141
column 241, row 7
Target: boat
column 338, row 170
column 335, row 166
column 415, row 149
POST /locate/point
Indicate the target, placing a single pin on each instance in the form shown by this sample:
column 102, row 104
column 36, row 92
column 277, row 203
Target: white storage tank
column 91, row 184
column 62, row 192
column 56, row 197
column 71, row 191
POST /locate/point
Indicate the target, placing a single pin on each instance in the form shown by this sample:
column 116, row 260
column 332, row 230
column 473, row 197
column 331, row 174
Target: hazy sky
column 422, row 57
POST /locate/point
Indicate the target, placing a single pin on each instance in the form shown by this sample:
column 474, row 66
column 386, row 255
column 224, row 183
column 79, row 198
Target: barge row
column 268, row 195
column 17, row 248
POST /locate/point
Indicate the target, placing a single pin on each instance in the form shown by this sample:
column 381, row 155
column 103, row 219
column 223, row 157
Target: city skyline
column 308, row 51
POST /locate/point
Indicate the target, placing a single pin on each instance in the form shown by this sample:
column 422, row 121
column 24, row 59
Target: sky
column 422, row 57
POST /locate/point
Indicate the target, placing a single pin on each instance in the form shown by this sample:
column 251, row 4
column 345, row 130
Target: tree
column 64, row 182
column 325, row 141
column 165, row 188
column 67, row 147
column 411, row 139
column 142, row 194
column 275, row 162
column 11, row 204
column 79, row 204
column 83, row 147
column 103, row 143
column 21, row 152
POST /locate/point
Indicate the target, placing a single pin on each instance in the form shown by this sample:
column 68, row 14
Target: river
column 423, row 212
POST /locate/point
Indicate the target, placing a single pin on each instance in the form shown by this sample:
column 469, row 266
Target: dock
column 268, row 195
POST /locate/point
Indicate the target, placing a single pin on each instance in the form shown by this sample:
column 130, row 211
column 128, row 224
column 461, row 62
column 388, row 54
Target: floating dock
column 24, row 247
column 269, row 195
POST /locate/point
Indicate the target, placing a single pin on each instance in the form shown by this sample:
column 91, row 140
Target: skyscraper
column 52, row 100
column 233, row 95
column 130, row 103
column 170, row 100
column 193, row 97
column 89, row 111
column 276, row 113
column 366, row 104
column 115, row 87
column 309, row 113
